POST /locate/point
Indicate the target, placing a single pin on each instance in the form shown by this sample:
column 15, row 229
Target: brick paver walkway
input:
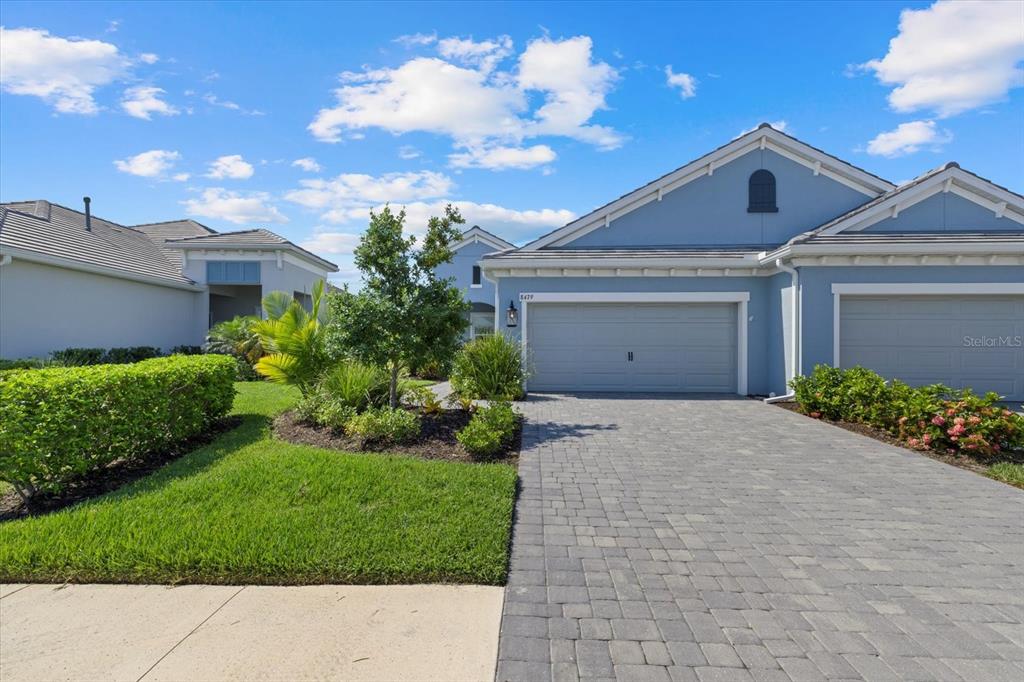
column 685, row 539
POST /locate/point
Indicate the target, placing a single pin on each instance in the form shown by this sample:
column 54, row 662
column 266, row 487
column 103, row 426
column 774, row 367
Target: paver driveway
column 685, row 539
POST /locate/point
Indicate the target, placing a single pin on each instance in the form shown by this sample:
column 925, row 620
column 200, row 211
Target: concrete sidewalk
column 205, row 632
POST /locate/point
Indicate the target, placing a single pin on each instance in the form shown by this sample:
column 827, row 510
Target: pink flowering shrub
column 927, row 418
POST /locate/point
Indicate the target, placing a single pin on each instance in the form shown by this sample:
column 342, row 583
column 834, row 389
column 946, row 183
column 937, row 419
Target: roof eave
column 72, row 264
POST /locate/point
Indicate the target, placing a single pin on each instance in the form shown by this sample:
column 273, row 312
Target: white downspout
column 795, row 324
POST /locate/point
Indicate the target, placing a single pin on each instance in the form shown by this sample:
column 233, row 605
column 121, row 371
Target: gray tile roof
column 173, row 229
column 252, row 239
column 918, row 238
column 59, row 232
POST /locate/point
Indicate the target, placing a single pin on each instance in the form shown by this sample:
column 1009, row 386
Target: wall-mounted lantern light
column 511, row 315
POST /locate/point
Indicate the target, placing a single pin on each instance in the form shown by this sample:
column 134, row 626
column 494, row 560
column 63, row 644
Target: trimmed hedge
column 60, row 423
column 80, row 357
column 932, row 417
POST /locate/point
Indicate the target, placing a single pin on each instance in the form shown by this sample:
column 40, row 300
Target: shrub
column 24, row 363
column 489, row 368
column 357, row 385
column 384, row 425
column 124, row 356
column 490, row 430
column 60, row 423
column 932, row 417
column 187, row 350
column 237, row 338
column 78, row 357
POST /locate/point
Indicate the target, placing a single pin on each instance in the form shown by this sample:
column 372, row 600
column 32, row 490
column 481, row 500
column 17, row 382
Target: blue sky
column 301, row 117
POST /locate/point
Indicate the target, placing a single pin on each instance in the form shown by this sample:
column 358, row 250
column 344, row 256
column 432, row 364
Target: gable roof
column 255, row 239
column 478, row 234
column 173, row 229
column 762, row 137
column 55, row 234
column 946, row 178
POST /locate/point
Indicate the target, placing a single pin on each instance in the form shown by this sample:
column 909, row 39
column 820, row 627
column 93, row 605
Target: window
column 476, row 275
column 762, row 192
column 232, row 272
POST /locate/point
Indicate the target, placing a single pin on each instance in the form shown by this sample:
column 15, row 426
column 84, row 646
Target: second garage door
column 629, row 347
column 959, row 341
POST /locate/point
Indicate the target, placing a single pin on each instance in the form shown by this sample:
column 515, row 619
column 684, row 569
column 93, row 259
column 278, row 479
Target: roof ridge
column 178, row 220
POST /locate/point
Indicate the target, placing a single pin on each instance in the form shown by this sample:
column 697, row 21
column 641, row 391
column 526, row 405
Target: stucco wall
column 763, row 311
column 461, row 271
column 712, row 210
column 945, row 212
column 45, row 308
column 817, row 301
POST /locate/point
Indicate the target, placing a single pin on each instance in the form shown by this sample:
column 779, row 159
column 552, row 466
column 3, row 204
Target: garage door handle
column 629, row 356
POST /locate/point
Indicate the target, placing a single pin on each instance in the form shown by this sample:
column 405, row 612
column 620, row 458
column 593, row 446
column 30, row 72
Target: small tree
column 404, row 315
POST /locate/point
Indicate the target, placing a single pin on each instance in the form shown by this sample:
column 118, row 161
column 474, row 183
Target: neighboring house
column 764, row 258
column 467, row 275
column 70, row 279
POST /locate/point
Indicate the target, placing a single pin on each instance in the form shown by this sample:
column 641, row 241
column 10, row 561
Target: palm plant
column 235, row 337
column 293, row 341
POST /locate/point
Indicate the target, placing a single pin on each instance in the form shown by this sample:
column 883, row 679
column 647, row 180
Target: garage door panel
column 676, row 347
column 921, row 340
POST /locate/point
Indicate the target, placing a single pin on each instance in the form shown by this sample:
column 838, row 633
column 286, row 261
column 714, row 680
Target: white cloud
column 152, row 164
column 62, row 72
column 779, row 125
column 408, row 152
column 232, row 166
column 180, row 177
column 348, row 199
column 463, row 95
column 149, row 58
column 213, row 100
column 307, row 164
column 332, row 242
column 349, row 189
column 234, row 207
column 908, row 138
column 953, row 56
column 500, row 158
column 143, row 101
column 686, row 83
column 575, row 88
column 416, row 39
column 485, row 55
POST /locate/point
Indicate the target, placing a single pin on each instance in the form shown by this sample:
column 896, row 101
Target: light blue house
column 762, row 259
column 465, row 271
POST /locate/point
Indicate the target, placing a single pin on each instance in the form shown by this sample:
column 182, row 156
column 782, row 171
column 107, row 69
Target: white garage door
column 645, row 347
column 960, row 341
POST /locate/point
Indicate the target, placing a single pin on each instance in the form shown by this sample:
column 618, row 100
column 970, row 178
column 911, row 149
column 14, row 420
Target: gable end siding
column 712, row 210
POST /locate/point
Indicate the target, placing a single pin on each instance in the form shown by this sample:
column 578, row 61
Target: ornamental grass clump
column 61, row 423
column 933, row 417
column 489, row 368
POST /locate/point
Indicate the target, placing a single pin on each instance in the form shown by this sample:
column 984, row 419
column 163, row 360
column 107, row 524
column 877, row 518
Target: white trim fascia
column 264, row 255
column 749, row 261
column 923, row 248
column 476, row 234
column 911, row 289
column 476, row 286
column 637, row 297
column 792, row 149
column 71, row 264
column 924, row 289
column 964, row 185
column 740, row 298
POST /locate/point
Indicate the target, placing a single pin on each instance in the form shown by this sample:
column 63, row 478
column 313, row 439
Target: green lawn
column 1007, row 472
column 250, row 509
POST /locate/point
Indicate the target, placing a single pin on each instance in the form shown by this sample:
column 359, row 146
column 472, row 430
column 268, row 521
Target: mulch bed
column 957, row 460
column 110, row 478
column 436, row 441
